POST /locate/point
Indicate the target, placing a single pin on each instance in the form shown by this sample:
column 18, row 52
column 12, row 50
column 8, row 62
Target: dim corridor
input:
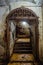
column 25, row 37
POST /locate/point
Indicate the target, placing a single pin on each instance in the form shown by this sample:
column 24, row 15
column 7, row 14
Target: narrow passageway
column 25, row 36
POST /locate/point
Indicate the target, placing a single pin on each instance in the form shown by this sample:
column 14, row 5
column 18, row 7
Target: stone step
column 23, row 48
column 34, row 63
column 22, row 45
column 22, row 51
column 20, row 58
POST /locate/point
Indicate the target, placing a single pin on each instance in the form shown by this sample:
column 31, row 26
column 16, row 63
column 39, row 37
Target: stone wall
column 12, row 32
column 42, row 37
column 3, row 13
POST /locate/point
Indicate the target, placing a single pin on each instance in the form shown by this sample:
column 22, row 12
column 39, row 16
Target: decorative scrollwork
column 21, row 12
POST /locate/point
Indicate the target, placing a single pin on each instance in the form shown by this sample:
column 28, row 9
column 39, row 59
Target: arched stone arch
column 26, row 14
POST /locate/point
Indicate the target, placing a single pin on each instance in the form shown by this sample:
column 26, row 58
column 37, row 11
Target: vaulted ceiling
column 6, row 2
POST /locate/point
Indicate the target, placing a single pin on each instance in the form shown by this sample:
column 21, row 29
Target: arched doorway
column 26, row 20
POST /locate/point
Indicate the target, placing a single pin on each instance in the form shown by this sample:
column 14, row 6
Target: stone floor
column 22, row 57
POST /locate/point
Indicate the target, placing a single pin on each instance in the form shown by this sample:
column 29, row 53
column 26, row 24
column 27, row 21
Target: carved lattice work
column 21, row 12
